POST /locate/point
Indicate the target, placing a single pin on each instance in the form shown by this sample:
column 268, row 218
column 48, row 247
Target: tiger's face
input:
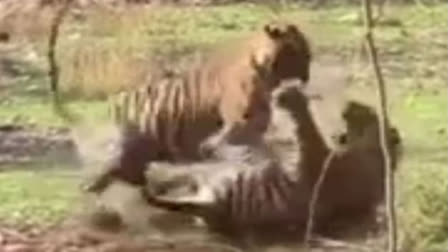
column 363, row 127
column 351, row 125
column 288, row 54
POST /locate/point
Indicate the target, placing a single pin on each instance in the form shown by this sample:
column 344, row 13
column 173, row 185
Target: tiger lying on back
column 229, row 93
column 248, row 192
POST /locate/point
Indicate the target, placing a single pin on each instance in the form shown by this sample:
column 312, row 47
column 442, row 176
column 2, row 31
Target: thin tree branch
column 329, row 243
column 315, row 197
column 52, row 42
column 54, row 70
column 384, row 126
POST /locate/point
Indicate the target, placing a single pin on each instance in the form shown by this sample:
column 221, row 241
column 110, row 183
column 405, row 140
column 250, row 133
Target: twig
column 384, row 126
column 315, row 197
column 332, row 243
column 381, row 4
column 191, row 242
column 214, row 245
column 52, row 42
column 421, row 5
column 52, row 62
column 10, row 233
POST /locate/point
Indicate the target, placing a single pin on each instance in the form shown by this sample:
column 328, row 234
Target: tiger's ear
column 274, row 31
column 292, row 29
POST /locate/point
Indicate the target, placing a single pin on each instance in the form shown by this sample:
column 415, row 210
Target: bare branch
column 52, row 62
column 325, row 242
column 384, row 126
column 315, row 197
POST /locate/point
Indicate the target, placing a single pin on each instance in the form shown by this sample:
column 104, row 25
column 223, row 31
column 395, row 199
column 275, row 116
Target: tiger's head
column 356, row 127
column 364, row 126
column 281, row 51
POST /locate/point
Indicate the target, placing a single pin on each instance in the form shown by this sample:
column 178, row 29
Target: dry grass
column 94, row 70
column 119, row 23
column 100, row 53
column 26, row 20
column 107, row 55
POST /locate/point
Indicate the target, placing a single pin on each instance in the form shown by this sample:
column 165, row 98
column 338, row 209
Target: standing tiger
column 228, row 94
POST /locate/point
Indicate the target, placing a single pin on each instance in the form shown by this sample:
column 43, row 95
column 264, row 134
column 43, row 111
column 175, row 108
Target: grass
column 423, row 178
column 413, row 49
column 39, row 111
column 41, row 197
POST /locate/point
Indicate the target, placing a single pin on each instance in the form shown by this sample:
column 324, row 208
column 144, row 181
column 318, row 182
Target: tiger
column 248, row 191
column 227, row 93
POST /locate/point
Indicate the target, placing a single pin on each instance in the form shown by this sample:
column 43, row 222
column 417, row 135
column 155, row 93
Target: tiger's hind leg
column 128, row 164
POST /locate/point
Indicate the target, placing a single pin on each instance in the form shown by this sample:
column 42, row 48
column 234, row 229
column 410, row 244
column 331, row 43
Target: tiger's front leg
column 209, row 145
column 248, row 130
column 97, row 184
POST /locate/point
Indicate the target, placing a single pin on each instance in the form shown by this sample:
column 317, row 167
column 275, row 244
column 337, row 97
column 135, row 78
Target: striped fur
column 162, row 111
column 250, row 190
column 228, row 95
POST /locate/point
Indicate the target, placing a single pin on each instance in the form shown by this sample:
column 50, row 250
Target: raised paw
column 96, row 185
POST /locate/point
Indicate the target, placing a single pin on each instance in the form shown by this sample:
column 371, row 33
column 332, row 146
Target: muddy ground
column 21, row 144
column 75, row 237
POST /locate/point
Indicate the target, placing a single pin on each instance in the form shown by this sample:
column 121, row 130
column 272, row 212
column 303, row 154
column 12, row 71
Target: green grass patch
column 40, row 197
column 40, row 112
column 423, row 178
